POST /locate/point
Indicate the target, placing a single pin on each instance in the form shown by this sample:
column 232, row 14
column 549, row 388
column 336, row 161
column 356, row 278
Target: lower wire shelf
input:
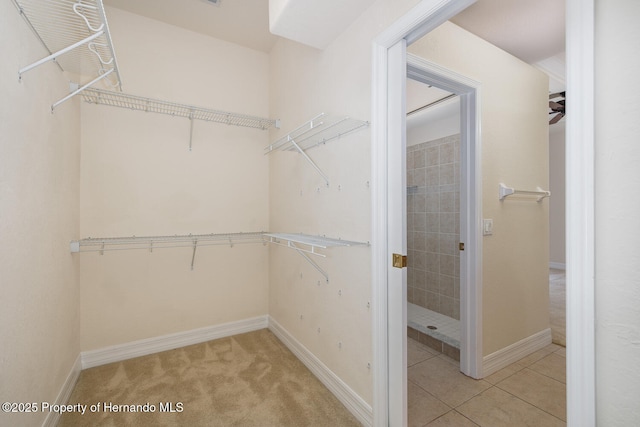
column 309, row 244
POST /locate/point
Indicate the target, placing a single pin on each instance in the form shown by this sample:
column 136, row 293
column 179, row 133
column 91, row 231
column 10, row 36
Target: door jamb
column 470, row 205
column 424, row 17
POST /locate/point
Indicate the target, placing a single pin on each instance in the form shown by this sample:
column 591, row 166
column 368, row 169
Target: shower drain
column 432, row 327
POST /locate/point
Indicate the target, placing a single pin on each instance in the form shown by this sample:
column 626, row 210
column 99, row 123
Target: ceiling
column 243, row 22
column 531, row 30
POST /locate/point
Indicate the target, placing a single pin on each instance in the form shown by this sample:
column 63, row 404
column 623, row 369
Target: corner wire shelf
column 133, row 102
column 504, row 192
column 311, row 244
column 76, row 35
column 150, row 243
column 317, row 131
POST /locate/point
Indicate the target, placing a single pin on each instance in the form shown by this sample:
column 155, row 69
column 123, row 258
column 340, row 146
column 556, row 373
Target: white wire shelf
column 317, row 131
column 133, row 102
column 311, row 244
column 150, row 243
column 76, row 35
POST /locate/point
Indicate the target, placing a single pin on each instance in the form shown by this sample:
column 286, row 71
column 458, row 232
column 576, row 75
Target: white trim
column 147, row 346
column 506, row 356
column 557, row 265
column 580, row 209
column 65, row 393
column 425, row 16
column 349, row 398
column 470, row 207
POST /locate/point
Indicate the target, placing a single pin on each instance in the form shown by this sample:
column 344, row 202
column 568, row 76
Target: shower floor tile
column 448, row 329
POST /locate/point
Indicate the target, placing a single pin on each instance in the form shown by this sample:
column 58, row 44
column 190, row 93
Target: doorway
column 433, row 218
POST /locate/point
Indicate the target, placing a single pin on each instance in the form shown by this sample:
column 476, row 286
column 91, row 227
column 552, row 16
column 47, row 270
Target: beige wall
column 304, row 83
column 616, row 215
column 39, row 201
column 557, row 229
column 515, row 152
column 139, row 178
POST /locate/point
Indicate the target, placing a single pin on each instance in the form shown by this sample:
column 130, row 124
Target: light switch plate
column 487, row 227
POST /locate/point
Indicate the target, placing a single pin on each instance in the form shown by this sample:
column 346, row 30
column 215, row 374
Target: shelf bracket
column 310, row 261
column 54, row 55
column 308, row 159
column 80, row 89
column 193, row 257
column 191, row 130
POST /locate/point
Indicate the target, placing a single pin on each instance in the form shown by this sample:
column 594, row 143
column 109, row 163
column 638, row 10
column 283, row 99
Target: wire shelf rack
column 76, row 35
column 102, row 244
column 310, row 245
column 317, row 131
column 193, row 241
column 133, row 102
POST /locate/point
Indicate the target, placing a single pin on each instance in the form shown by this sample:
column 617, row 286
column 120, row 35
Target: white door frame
column 470, row 204
column 580, row 208
column 388, row 141
column 389, row 390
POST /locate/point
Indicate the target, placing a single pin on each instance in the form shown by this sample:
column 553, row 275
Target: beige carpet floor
column 250, row 379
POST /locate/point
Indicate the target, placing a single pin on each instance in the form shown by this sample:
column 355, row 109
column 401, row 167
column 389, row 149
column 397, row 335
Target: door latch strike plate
column 461, row 246
column 399, row 261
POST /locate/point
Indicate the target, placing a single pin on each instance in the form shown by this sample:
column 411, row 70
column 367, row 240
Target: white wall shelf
column 150, row 243
column 310, row 245
column 317, row 131
column 76, row 35
column 133, row 102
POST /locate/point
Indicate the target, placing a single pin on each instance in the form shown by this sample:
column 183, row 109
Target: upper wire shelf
column 76, row 35
column 133, row 102
column 317, row 131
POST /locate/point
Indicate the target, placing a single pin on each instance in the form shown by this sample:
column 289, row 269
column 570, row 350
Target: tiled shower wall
column 433, row 225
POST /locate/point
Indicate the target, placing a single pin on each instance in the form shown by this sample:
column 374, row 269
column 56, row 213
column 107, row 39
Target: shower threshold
column 437, row 331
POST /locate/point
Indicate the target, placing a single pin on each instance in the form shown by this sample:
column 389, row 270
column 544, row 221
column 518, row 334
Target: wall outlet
column 487, row 227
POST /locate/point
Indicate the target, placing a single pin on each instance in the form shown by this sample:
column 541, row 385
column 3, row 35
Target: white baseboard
column 349, row 398
column 516, row 351
column 147, row 346
column 558, row 265
column 65, row 392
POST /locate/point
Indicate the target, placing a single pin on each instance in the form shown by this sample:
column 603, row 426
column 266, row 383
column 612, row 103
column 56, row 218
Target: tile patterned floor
column 448, row 329
column 530, row 392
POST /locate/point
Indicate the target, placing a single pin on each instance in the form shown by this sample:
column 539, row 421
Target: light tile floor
column 530, row 392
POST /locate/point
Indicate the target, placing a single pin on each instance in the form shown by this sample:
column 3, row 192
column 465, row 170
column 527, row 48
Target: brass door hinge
column 461, row 246
column 399, row 261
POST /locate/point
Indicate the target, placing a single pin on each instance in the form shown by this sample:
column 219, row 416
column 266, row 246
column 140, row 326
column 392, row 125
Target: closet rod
column 139, row 103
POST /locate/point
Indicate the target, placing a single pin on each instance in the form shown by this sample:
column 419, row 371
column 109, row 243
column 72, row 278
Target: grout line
column 532, row 404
